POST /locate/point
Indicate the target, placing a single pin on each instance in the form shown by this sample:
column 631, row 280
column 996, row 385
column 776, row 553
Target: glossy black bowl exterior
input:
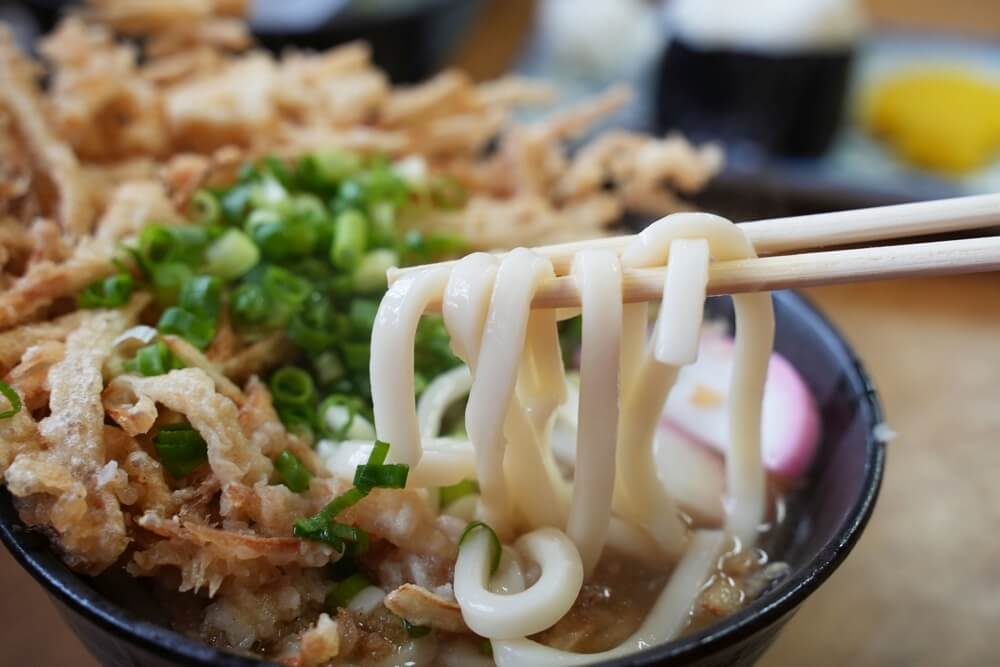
column 784, row 104
column 116, row 618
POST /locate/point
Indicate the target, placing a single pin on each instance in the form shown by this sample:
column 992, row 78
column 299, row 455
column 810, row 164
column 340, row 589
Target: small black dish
column 781, row 104
column 116, row 619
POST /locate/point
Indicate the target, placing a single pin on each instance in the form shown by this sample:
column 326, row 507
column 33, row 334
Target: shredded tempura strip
column 62, row 486
column 192, row 393
column 19, row 96
column 419, row 606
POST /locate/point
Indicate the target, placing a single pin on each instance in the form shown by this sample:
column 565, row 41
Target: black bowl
column 117, row 619
column 781, row 104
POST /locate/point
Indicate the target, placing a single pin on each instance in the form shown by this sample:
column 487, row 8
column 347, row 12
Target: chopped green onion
column 308, row 208
column 231, row 255
column 109, row 292
column 196, row 330
column 293, row 473
column 350, row 239
column 330, row 167
column 298, row 419
column 234, row 203
column 314, row 328
column 292, row 386
column 268, row 192
column 486, row 647
column 205, row 207
column 345, row 591
column 495, row 549
column 370, row 276
column 202, row 297
column 358, row 546
column 316, row 527
column 179, row 243
column 328, row 367
column 350, row 195
column 447, row 193
column 13, row 398
column 168, row 278
column 340, row 419
column 384, row 476
column 356, row 355
column 181, row 449
column 154, row 359
column 249, row 305
column 362, row 314
column 273, row 165
column 415, row 631
column 383, row 217
column 321, row 526
column 419, row 383
column 450, row 494
column 420, row 248
column 284, row 287
column 380, row 451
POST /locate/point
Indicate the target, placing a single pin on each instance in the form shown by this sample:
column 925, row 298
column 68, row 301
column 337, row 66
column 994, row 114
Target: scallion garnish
column 284, row 287
column 495, row 548
column 292, row 386
column 153, row 359
column 322, row 526
column 344, row 591
column 196, row 330
column 205, row 208
column 13, row 398
column 415, row 631
column 181, row 449
column 449, row 494
column 370, row 276
column 202, row 297
column 293, row 473
column 350, row 239
column 250, row 305
column 109, row 292
column 231, row 255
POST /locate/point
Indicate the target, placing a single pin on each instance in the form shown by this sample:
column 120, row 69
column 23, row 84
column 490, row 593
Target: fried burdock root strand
column 134, row 107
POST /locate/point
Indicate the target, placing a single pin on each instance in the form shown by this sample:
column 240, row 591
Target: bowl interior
column 825, row 520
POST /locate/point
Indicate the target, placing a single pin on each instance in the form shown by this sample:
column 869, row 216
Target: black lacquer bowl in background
column 121, row 625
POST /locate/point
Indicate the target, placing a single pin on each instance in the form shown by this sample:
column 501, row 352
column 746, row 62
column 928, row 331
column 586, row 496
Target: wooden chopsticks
column 814, row 268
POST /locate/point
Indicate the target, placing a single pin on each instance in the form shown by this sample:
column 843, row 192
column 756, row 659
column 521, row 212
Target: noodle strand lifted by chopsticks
column 600, row 282
column 616, row 496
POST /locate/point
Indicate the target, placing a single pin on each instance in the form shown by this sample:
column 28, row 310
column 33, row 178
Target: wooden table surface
column 923, row 585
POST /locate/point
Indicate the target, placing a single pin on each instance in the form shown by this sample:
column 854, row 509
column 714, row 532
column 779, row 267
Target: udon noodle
column 555, row 531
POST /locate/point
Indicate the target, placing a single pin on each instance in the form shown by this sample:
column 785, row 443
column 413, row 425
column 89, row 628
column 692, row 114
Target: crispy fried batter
column 18, row 435
column 100, row 104
column 14, row 343
column 192, row 357
column 147, row 488
column 192, row 393
column 208, row 556
column 422, row 607
column 62, row 486
column 31, row 377
column 320, row 643
column 259, row 357
column 55, row 161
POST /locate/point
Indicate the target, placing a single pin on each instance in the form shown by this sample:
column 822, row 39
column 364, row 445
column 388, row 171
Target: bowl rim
column 71, row 590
